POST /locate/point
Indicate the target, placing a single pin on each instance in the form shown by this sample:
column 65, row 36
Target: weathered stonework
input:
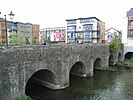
column 19, row 64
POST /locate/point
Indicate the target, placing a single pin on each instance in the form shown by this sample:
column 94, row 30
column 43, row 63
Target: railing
column 130, row 27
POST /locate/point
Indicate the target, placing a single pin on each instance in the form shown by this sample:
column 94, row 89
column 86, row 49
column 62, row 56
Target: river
column 104, row 85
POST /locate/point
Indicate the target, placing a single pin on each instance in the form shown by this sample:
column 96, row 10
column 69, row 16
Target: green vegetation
column 128, row 63
column 120, row 63
column 17, row 38
column 23, row 98
column 34, row 41
column 110, row 69
column 114, row 44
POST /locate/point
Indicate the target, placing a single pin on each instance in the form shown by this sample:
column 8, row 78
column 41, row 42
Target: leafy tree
column 114, row 44
column 17, row 38
column 21, row 38
column 33, row 41
column 13, row 39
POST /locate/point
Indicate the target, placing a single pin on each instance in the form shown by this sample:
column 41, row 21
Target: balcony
column 130, row 27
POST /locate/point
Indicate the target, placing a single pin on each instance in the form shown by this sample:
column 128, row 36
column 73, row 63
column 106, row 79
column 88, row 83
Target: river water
column 104, row 85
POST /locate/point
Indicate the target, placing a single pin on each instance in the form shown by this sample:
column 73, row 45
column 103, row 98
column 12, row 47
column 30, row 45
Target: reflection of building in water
column 81, row 30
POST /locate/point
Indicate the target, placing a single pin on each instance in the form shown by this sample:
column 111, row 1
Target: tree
column 114, row 44
column 21, row 38
column 17, row 38
column 13, row 39
column 34, row 41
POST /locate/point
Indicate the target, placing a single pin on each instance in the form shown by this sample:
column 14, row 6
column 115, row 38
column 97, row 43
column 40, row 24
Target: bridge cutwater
column 50, row 65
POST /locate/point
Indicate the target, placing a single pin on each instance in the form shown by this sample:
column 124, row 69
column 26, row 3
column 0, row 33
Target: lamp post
column 11, row 17
column 6, row 31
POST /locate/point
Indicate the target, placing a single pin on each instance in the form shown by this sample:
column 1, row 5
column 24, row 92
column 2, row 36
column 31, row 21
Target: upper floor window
column 87, row 27
column 71, row 22
column 87, row 20
column 2, row 25
column 71, row 28
column 131, row 23
column 131, row 34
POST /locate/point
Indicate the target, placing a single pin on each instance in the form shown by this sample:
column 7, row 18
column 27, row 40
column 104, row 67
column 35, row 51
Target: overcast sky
column 51, row 13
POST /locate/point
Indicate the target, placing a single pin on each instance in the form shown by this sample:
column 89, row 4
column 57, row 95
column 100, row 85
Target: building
column 11, row 31
column 2, row 31
column 35, row 33
column 26, row 29
column 55, row 34
column 85, row 30
column 18, row 32
column 130, row 23
column 110, row 33
column 130, row 27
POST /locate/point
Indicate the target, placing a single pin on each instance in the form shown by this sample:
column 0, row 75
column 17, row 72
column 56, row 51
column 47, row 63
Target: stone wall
column 19, row 63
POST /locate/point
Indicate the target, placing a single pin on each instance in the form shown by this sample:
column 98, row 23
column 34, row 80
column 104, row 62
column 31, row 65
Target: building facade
column 85, row 30
column 55, row 34
column 26, row 29
column 2, row 31
column 35, row 33
column 18, row 32
column 111, row 33
column 130, row 23
column 130, row 27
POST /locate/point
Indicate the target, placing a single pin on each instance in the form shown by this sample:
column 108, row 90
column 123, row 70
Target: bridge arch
column 111, row 60
column 97, row 63
column 128, row 55
column 119, row 56
column 41, row 77
column 78, row 69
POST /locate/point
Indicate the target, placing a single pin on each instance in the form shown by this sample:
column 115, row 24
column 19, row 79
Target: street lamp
column 6, row 31
column 11, row 17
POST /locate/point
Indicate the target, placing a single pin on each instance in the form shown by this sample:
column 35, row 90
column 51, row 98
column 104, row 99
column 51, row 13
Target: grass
column 129, row 63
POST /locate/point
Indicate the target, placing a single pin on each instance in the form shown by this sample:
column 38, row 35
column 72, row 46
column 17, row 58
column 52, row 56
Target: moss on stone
column 109, row 69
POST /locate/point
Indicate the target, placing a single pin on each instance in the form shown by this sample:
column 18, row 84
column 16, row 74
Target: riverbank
column 128, row 63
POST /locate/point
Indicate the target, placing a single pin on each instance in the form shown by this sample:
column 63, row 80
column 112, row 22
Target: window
column 87, row 27
column 3, row 31
column 3, row 37
column 71, row 22
column 87, row 20
column 131, row 34
column 71, row 28
column 2, row 25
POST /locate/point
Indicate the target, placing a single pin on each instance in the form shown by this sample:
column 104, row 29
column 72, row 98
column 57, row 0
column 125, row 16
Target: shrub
column 23, row 98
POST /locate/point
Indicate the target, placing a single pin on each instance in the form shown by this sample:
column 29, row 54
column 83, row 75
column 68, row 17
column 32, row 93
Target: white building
column 110, row 33
column 54, row 34
column 84, row 30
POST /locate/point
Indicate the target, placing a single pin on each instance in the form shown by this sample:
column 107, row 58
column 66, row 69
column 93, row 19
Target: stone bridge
column 50, row 65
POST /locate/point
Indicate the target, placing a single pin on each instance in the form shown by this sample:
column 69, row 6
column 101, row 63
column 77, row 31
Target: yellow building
column 2, row 31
